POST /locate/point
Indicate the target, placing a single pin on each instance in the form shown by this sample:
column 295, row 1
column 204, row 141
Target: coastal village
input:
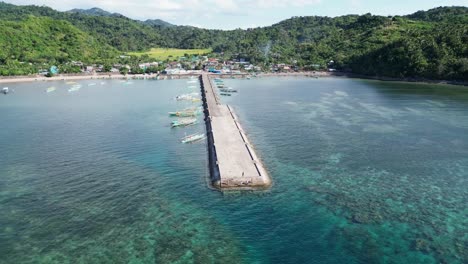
column 182, row 65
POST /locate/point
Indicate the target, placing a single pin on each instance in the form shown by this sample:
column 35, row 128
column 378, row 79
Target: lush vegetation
column 168, row 53
column 427, row 44
column 38, row 42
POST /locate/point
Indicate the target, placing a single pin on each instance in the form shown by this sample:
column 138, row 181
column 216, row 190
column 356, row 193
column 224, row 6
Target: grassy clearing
column 162, row 53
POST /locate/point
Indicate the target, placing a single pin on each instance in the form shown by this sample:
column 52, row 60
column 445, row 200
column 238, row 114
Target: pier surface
column 233, row 161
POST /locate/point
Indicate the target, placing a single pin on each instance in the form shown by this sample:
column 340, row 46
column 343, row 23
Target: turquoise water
column 363, row 171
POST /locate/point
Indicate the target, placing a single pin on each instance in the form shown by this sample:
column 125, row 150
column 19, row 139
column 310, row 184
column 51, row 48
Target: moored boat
column 183, row 122
column 225, row 94
column 51, row 89
column 187, row 97
column 186, row 112
column 5, row 90
column 193, row 138
column 74, row 88
column 228, row 90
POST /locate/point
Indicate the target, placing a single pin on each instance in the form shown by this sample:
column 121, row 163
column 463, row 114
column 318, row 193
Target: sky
column 231, row 14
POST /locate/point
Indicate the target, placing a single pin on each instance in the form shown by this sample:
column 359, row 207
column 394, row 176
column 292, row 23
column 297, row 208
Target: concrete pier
column 233, row 162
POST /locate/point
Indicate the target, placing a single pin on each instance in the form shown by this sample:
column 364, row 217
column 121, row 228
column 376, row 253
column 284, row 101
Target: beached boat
column 228, row 90
column 5, row 90
column 184, row 122
column 51, row 89
column 193, row 138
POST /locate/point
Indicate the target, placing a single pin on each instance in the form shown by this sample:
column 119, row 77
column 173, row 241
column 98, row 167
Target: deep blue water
column 363, row 171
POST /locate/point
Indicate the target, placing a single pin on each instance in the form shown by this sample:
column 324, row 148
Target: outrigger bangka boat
column 74, row 88
column 193, row 138
column 228, row 90
column 186, row 97
column 51, row 89
column 186, row 112
column 183, row 122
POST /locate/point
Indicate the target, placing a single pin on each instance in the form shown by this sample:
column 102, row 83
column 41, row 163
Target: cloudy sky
column 230, row 14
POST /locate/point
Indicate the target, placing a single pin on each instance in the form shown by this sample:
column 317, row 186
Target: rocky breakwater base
column 233, row 163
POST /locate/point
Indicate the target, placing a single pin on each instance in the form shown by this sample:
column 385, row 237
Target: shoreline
column 40, row 78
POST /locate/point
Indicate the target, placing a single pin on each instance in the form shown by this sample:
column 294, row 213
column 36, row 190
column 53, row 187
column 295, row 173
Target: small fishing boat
column 5, row 90
column 186, row 112
column 184, row 122
column 193, row 138
column 228, row 90
column 186, row 97
column 74, row 88
column 51, row 89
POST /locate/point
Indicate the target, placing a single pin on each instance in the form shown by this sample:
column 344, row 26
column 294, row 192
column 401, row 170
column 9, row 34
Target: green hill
column 430, row 44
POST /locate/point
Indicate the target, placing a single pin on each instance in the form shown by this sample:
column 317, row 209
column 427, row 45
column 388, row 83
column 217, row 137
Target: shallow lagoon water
column 363, row 171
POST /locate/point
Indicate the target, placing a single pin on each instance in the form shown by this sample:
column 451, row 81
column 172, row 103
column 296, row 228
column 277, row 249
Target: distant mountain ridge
column 157, row 22
column 96, row 11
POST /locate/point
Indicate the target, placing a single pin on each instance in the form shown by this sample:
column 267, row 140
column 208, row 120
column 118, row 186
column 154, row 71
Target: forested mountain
column 430, row 44
column 119, row 32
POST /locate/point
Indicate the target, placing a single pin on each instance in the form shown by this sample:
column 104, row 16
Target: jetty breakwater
column 233, row 162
